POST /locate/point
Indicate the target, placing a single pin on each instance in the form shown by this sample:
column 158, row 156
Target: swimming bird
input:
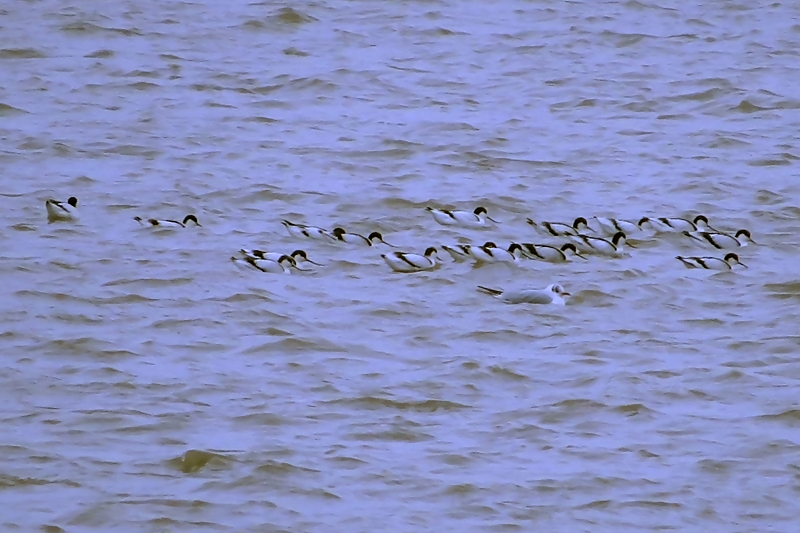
column 408, row 262
column 167, row 223
column 551, row 254
column 354, row 238
column 597, row 245
column 711, row 263
column 490, row 253
column 281, row 266
column 610, row 226
column 675, row 225
column 64, row 211
column 465, row 219
column 722, row 241
column 552, row 294
column 458, row 252
column 462, row 252
column 298, row 255
column 560, row 229
column 309, row 232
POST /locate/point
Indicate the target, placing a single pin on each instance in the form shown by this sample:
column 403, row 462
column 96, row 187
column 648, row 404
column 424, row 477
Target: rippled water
column 150, row 385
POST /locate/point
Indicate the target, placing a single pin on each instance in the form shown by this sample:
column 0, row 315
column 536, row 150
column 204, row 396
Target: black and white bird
column 597, row 245
column 491, row 253
column 282, row 266
column 712, row 263
column 409, row 262
column 167, row 223
column 550, row 254
column 722, row 241
column 610, row 226
column 299, row 256
column 354, row 238
column 675, row 225
column 62, row 211
column 308, row 232
column 461, row 252
column 560, row 229
column 476, row 219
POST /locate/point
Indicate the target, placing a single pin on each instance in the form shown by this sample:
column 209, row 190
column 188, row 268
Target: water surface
column 152, row 386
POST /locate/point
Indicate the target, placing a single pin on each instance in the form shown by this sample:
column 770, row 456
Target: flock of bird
column 605, row 237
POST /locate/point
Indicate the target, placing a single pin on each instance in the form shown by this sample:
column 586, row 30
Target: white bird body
column 610, row 226
column 464, row 219
column 597, row 245
column 62, row 211
column 281, row 266
column 308, row 232
column 722, row 241
column 298, row 255
column 355, row 238
column 459, row 252
column 408, row 262
column 552, row 294
column 490, row 253
column 675, row 225
column 167, row 223
column 712, row 263
column 560, row 229
column 550, row 254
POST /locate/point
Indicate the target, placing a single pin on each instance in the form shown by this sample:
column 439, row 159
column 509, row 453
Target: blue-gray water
column 150, row 385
